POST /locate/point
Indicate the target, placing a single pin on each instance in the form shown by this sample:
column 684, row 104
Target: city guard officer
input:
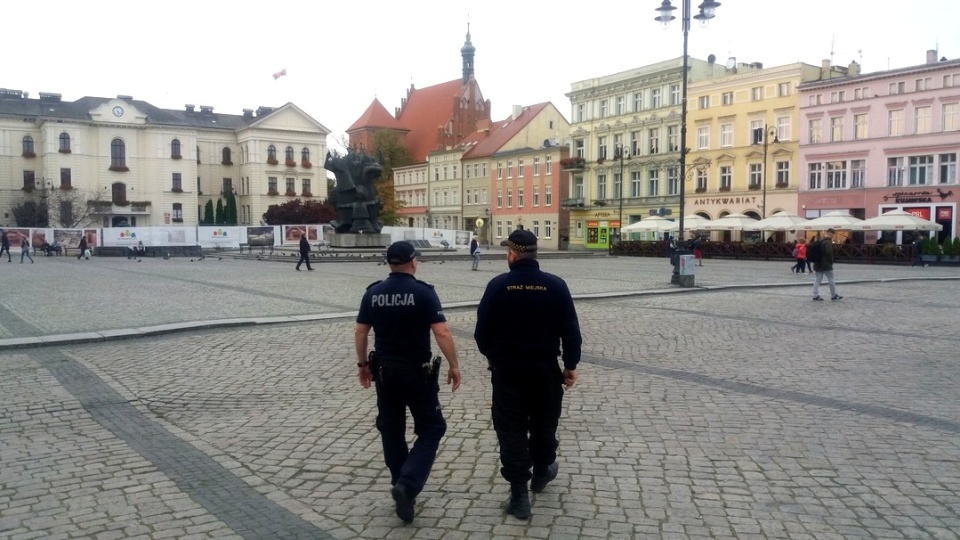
column 402, row 311
column 525, row 320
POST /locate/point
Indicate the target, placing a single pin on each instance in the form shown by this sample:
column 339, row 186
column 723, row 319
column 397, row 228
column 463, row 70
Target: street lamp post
column 708, row 9
column 622, row 153
column 765, row 134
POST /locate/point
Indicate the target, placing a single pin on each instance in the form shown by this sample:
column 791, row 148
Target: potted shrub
column 951, row 250
column 930, row 250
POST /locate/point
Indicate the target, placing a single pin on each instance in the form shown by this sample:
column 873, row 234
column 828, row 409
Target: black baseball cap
column 521, row 240
column 401, row 252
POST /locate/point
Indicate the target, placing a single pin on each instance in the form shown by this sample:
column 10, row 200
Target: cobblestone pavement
column 741, row 412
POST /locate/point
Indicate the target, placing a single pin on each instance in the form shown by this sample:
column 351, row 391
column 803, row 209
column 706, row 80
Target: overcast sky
column 340, row 55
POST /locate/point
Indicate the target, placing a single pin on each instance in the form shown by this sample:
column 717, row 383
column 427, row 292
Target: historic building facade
column 123, row 162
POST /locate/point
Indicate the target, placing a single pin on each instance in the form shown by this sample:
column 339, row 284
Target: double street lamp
column 764, row 134
column 708, row 9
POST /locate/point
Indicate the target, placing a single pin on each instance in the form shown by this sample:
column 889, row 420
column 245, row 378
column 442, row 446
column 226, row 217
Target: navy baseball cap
column 401, row 252
column 521, row 240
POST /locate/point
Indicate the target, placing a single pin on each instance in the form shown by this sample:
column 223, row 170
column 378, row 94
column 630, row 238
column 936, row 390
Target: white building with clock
column 124, row 162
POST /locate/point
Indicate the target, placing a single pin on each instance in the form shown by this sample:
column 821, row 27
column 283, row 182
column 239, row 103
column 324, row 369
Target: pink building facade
column 881, row 141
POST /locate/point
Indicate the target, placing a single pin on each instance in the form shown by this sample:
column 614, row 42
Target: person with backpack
column 821, row 254
column 800, row 254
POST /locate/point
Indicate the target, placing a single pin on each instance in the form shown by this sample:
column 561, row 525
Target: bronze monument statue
column 355, row 197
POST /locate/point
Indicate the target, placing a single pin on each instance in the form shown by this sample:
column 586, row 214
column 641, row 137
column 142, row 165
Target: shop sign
column 726, row 200
column 918, row 196
column 922, row 212
column 944, row 214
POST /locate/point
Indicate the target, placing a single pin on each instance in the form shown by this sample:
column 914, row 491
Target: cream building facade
column 133, row 164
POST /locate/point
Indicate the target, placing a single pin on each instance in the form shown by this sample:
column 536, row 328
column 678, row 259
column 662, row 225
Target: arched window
column 305, row 155
column 272, row 155
column 64, row 143
column 226, row 156
column 118, row 155
column 119, row 192
column 175, row 149
column 289, row 153
column 28, row 146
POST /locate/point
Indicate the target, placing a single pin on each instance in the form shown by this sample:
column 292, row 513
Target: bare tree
column 59, row 208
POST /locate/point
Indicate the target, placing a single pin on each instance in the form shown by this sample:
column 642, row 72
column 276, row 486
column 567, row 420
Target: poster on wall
column 67, row 238
column 261, row 236
column 292, row 233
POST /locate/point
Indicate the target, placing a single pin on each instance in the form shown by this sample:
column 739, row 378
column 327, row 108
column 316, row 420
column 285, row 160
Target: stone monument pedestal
column 351, row 240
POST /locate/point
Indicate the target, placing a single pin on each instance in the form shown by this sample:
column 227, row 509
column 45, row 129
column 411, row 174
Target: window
column 726, row 177
column 756, row 93
column 653, row 140
column 701, row 180
column 520, row 197
column 783, row 128
column 898, row 88
column 28, row 146
column 635, row 143
column 922, row 120
column 66, row 181
column 921, row 170
column 272, row 185
column 673, row 138
column 836, row 97
column 536, row 195
column 675, row 94
column 673, row 180
column 860, row 126
column 178, row 212
column 756, row 176
column 635, row 184
column 836, row 129
column 726, row 135
column 177, row 183
column 704, row 102
column 638, row 102
column 895, row 171
column 548, row 195
column 200, row 191
column 727, row 98
column 536, row 166
column 499, row 229
column 601, row 148
column 64, row 143
column 174, row 149
column 228, row 185
column 305, row 186
column 951, row 80
column 536, row 228
column 836, row 175
column 601, row 187
column 783, row 174
column 499, row 170
column 922, row 84
column 288, row 154
column 951, row 117
column 618, row 184
column 816, row 176
column 547, row 164
column 581, row 112
column 948, row 168
column 305, row 155
column 66, row 212
column 861, row 93
column 272, row 154
column 895, row 123
column 509, row 170
column 603, row 108
column 547, row 229
column 499, row 197
column 579, row 191
column 783, row 89
column 291, row 186
column 198, row 154
column 703, row 137
column 118, row 155
column 225, row 156
column 655, row 98
column 653, row 182
column 620, row 105
column 815, row 99
column 858, row 173
column 519, row 169
column 29, row 180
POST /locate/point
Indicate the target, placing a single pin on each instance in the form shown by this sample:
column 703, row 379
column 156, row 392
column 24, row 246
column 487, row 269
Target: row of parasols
column 893, row 220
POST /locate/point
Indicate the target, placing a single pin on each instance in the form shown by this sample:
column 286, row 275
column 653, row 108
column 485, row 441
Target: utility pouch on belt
column 431, row 371
column 376, row 366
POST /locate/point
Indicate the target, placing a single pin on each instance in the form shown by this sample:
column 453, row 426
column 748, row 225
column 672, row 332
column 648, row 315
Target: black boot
column 542, row 478
column 519, row 505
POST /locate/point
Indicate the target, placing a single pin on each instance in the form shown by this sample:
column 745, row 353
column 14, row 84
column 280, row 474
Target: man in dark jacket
column 5, row 245
column 304, row 252
column 523, row 320
column 825, row 268
column 475, row 253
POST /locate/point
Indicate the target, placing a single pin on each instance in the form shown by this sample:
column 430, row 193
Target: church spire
column 467, row 53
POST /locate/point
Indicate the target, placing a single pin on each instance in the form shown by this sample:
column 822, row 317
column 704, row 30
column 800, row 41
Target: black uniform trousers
column 404, row 387
column 526, row 411
column 304, row 258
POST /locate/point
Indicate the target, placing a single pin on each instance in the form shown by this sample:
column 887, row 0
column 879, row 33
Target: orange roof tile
column 503, row 131
column 376, row 116
column 427, row 110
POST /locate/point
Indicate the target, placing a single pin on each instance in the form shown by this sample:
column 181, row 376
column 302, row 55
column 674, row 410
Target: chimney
column 248, row 113
column 854, row 69
column 825, row 69
column 517, row 111
column 206, row 109
column 125, row 98
column 48, row 97
column 931, row 56
column 261, row 110
column 189, row 107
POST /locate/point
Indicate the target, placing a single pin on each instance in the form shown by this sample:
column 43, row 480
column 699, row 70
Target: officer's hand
column 569, row 377
column 365, row 376
column 453, row 378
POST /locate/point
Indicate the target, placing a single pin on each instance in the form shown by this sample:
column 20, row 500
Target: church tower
column 467, row 53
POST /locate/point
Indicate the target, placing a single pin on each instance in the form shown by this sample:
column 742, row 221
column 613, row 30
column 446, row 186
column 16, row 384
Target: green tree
column 208, row 218
column 393, row 153
column 231, row 209
column 220, row 216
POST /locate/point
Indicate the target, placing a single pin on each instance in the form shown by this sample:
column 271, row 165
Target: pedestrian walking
column 525, row 321
column 304, row 252
column 5, row 245
column 83, row 247
column 475, row 253
column 403, row 311
column 823, row 266
column 800, row 254
column 25, row 248
column 918, row 251
column 698, row 250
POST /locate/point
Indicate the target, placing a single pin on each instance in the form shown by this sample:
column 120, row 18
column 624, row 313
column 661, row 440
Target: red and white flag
column 279, row 74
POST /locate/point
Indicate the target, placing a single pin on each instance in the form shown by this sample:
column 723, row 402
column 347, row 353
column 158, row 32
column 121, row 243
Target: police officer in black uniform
column 523, row 319
column 402, row 311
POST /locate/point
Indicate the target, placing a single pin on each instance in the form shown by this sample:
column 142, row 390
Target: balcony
column 573, row 164
column 108, row 208
column 575, row 202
